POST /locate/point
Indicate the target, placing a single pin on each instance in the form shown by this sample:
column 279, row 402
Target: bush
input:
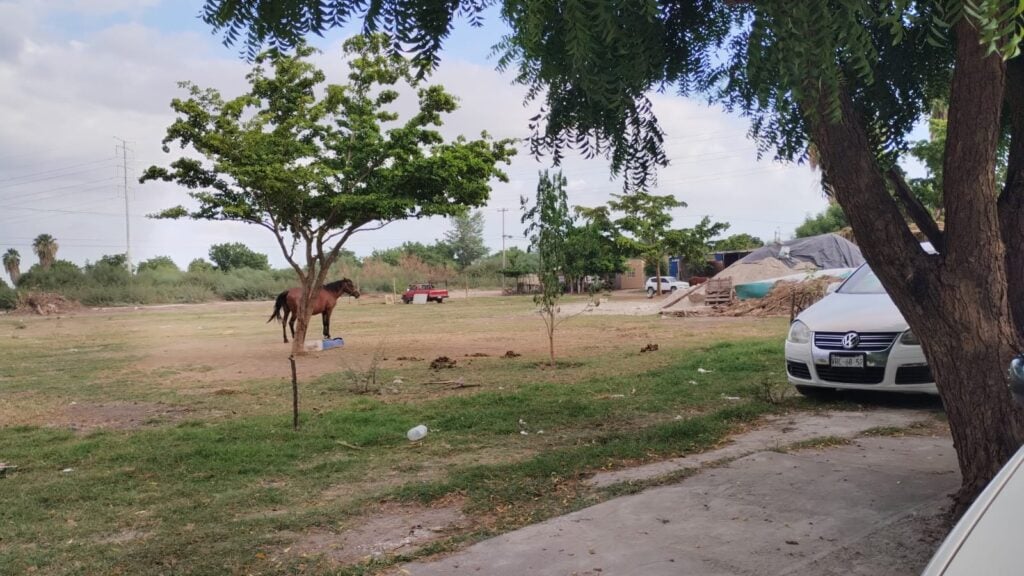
column 61, row 275
column 8, row 297
column 157, row 263
column 200, row 265
column 248, row 284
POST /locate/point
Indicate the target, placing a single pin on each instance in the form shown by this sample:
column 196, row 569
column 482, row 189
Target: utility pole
column 503, row 265
column 127, row 223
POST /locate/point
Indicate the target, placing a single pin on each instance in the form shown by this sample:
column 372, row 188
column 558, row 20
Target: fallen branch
column 451, row 384
column 347, row 445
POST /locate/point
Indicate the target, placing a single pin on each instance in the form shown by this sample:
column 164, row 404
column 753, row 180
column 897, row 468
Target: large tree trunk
column 1011, row 201
column 956, row 302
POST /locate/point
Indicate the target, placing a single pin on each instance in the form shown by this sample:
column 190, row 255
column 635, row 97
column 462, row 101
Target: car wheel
column 816, row 392
column 439, row 300
column 650, row 292
column 673, row 289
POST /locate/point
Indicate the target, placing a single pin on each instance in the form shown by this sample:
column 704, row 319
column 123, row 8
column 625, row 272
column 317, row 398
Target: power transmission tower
column 123, row 147
column 503, row 237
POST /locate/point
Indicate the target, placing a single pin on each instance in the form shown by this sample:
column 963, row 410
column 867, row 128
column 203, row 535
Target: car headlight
column 799, row 333
column 909, row 339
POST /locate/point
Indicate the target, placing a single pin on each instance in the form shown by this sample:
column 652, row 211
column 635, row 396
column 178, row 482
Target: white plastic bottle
column 417, row 433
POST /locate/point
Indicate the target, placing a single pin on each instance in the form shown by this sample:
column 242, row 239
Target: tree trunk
column 1011, row 201
column 551, row 334
column 956, row 302
column 303, row 314
column 657, row 270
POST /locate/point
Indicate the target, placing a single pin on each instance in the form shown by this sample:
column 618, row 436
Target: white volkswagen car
column 855, row 338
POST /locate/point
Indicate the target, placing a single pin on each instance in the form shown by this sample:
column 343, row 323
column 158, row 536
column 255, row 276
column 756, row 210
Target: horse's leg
column 326, row 317
column 284, row 324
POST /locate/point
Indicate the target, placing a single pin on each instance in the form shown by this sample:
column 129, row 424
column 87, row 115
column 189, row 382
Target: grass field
column 159, row 441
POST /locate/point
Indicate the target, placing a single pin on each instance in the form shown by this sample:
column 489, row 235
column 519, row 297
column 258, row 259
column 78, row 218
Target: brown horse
column 324, row 304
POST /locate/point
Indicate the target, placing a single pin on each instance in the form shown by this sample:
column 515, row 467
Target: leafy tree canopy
column 157, row 263
column 831, row 219
column 742, row 241
column 465, row 239
column 437, row 254
column 234, row 255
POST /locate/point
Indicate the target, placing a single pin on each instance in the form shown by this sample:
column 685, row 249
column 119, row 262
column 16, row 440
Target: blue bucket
column 333, row 343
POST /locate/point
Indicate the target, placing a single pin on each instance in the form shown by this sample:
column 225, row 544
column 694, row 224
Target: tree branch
column 917, row 211
column 972, row 137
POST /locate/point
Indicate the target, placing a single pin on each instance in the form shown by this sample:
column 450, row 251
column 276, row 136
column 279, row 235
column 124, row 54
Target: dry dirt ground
column 144, row 365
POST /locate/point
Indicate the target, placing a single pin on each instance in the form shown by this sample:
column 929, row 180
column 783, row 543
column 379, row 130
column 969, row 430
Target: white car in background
column 668, row 284
column 855, row 338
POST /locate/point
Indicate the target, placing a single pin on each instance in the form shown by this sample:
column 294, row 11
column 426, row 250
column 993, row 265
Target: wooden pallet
column 719, row 291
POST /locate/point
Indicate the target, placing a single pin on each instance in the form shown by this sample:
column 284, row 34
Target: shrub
column 62, row 274
column 8, row 297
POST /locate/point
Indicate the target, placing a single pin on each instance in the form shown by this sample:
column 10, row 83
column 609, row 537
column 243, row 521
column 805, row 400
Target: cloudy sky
column 77, row 75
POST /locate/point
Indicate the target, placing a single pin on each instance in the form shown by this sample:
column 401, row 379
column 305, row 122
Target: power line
column 73, row 187
column 52, row 170
column 54, row 177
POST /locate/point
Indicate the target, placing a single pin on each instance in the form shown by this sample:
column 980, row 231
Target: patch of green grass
column 195, row 497
column 817, row 444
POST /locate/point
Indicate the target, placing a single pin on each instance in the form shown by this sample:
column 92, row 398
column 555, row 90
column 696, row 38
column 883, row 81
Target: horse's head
column 343, row 286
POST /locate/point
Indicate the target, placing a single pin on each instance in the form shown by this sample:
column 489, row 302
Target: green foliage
column 59, row 275
column 114, row 260
column 742, row 241
column 200, row 265
column 8, row 297
column 831, row 219
column 45, row 247
column 591, row 246
column 465, row 239
column 548, row 223
column 647, row 218
column 12, row 264
column 437, row 254
column 157, row 263
column 235, row 255
column 693, row 244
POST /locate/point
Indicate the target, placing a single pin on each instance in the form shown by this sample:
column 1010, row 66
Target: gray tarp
column 824, row 251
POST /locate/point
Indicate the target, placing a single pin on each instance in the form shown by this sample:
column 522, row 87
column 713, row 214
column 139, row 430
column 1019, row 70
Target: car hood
column 839, row 312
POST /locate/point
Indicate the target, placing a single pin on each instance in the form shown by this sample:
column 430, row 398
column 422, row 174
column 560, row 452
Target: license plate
column 838, row 361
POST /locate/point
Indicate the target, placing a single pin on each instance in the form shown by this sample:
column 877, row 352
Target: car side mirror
column 833, row 287
column 1017, row 379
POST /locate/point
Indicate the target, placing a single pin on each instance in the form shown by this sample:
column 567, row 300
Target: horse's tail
column 281, row 302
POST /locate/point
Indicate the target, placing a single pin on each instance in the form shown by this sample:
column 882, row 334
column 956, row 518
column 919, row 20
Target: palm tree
column 12, row 263
column 45, row 247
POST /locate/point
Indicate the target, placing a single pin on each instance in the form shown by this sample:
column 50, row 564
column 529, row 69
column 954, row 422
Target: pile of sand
column 45, row 304
column 785, row 299
column 743, row 272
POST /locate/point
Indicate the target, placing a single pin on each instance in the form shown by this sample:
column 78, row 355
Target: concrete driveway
column 871, row 507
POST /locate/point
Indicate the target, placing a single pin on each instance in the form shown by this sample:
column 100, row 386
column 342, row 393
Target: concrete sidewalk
column 867, row 508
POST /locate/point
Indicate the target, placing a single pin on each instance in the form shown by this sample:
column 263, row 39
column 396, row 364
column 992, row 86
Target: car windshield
column 863, row 281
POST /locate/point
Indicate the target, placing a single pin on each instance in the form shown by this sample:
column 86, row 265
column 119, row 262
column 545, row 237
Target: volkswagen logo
column 851, row 340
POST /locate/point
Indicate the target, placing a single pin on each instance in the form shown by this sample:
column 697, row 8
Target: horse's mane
column 336, row 286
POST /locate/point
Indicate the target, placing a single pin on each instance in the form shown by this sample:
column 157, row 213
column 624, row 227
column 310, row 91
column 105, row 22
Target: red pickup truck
column 433, row 294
